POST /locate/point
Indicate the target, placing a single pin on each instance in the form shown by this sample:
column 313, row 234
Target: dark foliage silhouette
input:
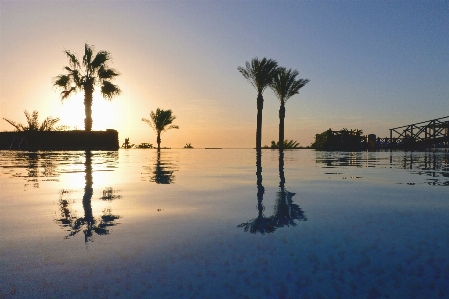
column 33, row 124
column 161, row 121
column 92, row 71
column 285, row 85
column 259, row 72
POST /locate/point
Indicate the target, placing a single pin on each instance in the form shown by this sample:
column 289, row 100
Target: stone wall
column 60, row 140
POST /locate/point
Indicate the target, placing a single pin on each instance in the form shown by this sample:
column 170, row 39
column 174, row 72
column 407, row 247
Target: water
column 210, row 224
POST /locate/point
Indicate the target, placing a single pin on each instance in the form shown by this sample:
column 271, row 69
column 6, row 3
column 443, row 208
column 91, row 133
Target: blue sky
column 372, row 65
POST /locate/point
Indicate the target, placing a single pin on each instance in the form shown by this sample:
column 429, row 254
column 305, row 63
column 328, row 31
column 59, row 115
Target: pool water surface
column 198, row 223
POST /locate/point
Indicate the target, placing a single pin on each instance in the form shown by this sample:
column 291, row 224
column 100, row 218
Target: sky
column 372, row 65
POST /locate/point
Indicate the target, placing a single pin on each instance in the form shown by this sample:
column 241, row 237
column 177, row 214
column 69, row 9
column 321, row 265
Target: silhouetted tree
column 260, row 74
column 85, row 76
column 33, row 123
column 285, row 85
column 161, row 121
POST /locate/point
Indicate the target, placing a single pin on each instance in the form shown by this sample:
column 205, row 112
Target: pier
column 431, row 133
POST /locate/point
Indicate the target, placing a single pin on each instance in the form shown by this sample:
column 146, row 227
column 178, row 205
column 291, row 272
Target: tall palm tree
column 260, row 74
column 161, row 121
column 85, row 76
column 285, row 86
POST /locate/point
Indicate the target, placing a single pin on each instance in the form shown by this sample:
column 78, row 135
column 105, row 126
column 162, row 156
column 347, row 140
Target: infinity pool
column 197, row 223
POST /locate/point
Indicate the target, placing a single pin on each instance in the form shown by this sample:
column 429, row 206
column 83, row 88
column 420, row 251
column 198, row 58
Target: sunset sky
column 372, row 65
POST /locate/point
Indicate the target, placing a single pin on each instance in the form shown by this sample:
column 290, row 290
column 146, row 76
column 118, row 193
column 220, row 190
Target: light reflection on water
column 172, row 224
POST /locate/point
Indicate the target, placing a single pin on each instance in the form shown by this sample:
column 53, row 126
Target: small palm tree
column 85, row 76
column 260, row 74
column 161, row 121
column 33, row 123
column 285, row 86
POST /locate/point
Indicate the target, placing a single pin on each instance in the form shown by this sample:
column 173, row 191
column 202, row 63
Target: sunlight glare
column 104, row 114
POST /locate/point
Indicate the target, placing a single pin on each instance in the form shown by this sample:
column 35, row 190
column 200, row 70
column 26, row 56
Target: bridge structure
column 431, row 133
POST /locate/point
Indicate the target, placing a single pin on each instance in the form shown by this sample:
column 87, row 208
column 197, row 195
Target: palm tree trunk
column 260, row 187
column 281, row 126
column 88, row 91
column 158, row 141
column 88, row 190
column 259, row 122
column 281, row 170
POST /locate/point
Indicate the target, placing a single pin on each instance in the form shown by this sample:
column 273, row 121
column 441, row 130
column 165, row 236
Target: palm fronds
column 259, row 72
column 161, row 120
column 93, row 72
column 285, row 85
column 33, row 123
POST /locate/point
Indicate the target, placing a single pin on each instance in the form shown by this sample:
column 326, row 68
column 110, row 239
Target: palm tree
column 260, row 74
column 161, row 121
column 93, row 72
column 33, row 123
column 285, row 85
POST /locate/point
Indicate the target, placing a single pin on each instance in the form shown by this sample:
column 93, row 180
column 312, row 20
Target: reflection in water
column 36, row 164
column 260, row 224
column 110, row 194
column 285, row 211
column 432, row 165
column 161, row 172
column 87, row 224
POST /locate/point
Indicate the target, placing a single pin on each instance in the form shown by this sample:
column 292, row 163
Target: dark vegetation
column 161, row 121
column 33, row 124
column 265, row 73
column 342, row 139
column 93, row 71
column 288, row 144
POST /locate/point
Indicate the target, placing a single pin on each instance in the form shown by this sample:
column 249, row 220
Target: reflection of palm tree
column 88, row 224
column 162, row 172
column 260, row 224
column 285, row 211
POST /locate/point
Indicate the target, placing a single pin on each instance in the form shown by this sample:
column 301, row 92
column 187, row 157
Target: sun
column 104, row 112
